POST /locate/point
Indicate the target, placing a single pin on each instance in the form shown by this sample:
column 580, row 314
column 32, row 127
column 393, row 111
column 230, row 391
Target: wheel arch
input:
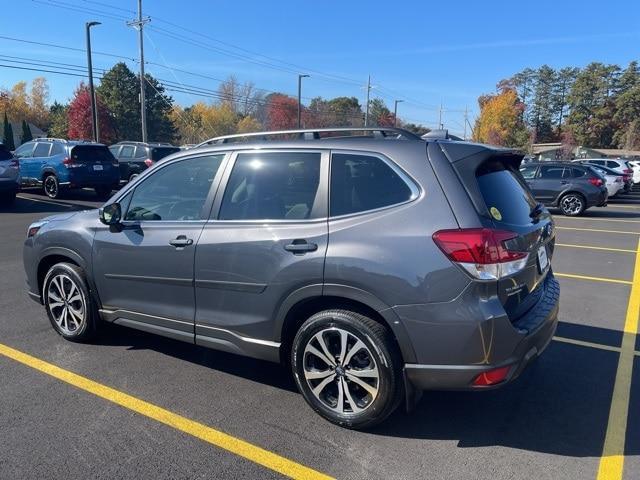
column 54, row 255
column 303, row 303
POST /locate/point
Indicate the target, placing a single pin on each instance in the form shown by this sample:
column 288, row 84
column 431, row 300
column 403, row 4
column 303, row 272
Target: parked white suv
column 619, row 165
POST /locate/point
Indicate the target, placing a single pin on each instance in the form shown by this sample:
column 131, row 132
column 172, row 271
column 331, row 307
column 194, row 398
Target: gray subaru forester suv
column 375, row 264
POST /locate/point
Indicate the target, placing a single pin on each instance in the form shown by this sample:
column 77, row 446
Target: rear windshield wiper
column 536, row 211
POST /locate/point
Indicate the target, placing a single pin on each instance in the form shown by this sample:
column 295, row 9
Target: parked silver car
column 375, row 265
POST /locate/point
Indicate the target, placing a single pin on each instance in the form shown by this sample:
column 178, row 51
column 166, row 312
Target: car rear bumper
column 534, row 331
column 81, row 179
column 8, row 185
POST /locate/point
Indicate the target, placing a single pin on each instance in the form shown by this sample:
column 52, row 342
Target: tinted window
column 141, row 152
column 528, row 172
column 57, row 149
column 5, row 154
column 42, row 149
column 91, row 154
column 362, row 182
column 114, row 150
column 577, row 172
column 127, row 151
column 598, row 162
column 504, row 192
column 272, row 186
column 175, row 192
column 159, row 153
column 551, row 172
column 25, row 150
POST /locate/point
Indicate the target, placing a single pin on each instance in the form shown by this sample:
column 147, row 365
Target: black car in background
column 136, row 157
column 570, row 187
column 9, row 175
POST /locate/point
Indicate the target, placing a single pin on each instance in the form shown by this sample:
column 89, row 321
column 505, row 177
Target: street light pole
column 300, row 77
column 92, row 92
column 395, row 112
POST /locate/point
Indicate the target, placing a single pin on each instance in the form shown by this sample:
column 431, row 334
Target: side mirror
column 111, row 214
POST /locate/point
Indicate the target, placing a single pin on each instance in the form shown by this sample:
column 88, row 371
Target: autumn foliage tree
column 282, row 112
column 79, row 117
column 500, row 121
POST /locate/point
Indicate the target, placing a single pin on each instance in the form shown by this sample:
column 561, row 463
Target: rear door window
column 363, row 182
column 127, row 152
column 42, row 149
column 528, row 173
column 507, row 199
column 160, row 153
column 91, row 154
column 114, row 149
column 141, row 152
column 551, row 172
column 57, row 149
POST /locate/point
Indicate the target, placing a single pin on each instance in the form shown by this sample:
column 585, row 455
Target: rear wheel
column 572, row 204
column 132, row 177
column 69, row 305
column 347, row 367
column 51, row 186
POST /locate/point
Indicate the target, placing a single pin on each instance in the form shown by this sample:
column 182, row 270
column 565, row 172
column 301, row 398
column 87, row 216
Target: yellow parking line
column 593, row 247
column 594, row 279
column 210, row 435
column 596, row 230
column 612, row 460
column 582, row 343
column 597, row 219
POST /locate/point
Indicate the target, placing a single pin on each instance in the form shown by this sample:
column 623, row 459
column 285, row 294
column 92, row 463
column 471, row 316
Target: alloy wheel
column 571, row 205
column 66, row 304
column 341, row 371
column 51, row 186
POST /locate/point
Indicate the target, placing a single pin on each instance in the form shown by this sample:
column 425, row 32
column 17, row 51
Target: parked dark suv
column 9, row 175
column 571, row 187
column 136, row 157
column 376, row 265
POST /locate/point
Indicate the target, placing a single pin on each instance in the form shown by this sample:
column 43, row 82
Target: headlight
column 34, row 228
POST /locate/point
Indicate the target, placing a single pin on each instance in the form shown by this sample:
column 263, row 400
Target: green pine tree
column 26, row 136
column 7, row 135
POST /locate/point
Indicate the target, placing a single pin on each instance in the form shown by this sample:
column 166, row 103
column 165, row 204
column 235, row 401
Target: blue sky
column 426, row 53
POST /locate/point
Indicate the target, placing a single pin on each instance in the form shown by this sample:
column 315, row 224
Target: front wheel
column 51, row 186
column 68, row 302
column 348, row 368
column 572, row 204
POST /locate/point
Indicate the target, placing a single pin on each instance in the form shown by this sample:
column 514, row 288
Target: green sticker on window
column 495, row 213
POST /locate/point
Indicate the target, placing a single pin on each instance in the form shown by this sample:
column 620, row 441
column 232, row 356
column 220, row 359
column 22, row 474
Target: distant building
column 554, row 151
column 17, row 131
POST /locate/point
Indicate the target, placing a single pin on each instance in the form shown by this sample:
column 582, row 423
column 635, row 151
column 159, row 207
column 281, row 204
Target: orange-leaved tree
column 501, row 120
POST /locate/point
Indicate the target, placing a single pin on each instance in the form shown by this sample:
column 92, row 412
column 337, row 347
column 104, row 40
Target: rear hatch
column 158, row 153
column 512, row 208
column 96, row 162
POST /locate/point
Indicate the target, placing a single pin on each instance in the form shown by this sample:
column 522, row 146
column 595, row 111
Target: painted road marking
column 596, row 230
column 593, row 279
column 612, row 460
column 593, row 247
column 210, row 435
column 597, row 219
column 582, row 343
column 45, row 201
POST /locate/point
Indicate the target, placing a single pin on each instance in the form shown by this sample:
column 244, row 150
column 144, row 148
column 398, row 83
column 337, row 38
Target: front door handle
column 301, row 246
column 181, row 241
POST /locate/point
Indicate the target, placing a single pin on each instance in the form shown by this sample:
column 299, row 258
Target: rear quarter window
column 506, row 197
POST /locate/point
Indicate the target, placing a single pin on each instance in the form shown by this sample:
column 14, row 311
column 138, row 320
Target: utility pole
column 92, row 91
column 300, row 77
column 138, row 24
column 441, row 126
column 366, row 115
column 466, row 114
column 395, row 112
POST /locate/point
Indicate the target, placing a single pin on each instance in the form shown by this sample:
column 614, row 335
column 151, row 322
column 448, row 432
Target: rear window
column 507, row 199
column 5, row 154
column 91, row 154
column 159, row 153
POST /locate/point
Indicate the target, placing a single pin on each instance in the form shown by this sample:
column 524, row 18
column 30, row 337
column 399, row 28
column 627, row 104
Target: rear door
column 267, row 238
column 512, row 208
column 39, row 161
column 550, row 183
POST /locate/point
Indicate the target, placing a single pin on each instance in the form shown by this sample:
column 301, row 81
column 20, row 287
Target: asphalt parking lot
column 173, row 410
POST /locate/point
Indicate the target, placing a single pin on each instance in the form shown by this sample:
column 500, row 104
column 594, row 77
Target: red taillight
column 596, row 181
column 148, row 162
column 492, row 377
column 14, row 164
column 482, row 252
column 477, row 245
column 67, row 161
column 627, row 170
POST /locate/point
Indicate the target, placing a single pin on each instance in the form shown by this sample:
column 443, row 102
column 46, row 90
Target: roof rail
column 50, row 139
column 314, row 133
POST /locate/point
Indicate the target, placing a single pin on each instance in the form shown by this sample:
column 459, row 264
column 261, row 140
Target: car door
column 28, row 171
column 125, row 160
column 550, row 183
column 40, row 159
column 143, row 269
column 529, row 172
column 267, row 238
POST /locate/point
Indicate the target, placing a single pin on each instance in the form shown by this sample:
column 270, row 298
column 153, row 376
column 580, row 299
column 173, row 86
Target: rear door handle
column 181, row 241
column 300, row 247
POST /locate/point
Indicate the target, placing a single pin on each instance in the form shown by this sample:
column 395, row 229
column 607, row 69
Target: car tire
column 572, row 204
column 51, row 186
column 132, row 177
column 103, row 191
column 69, row 304
column 359, row 384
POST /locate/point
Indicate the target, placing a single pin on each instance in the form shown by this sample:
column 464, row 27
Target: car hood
column 60, row 217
